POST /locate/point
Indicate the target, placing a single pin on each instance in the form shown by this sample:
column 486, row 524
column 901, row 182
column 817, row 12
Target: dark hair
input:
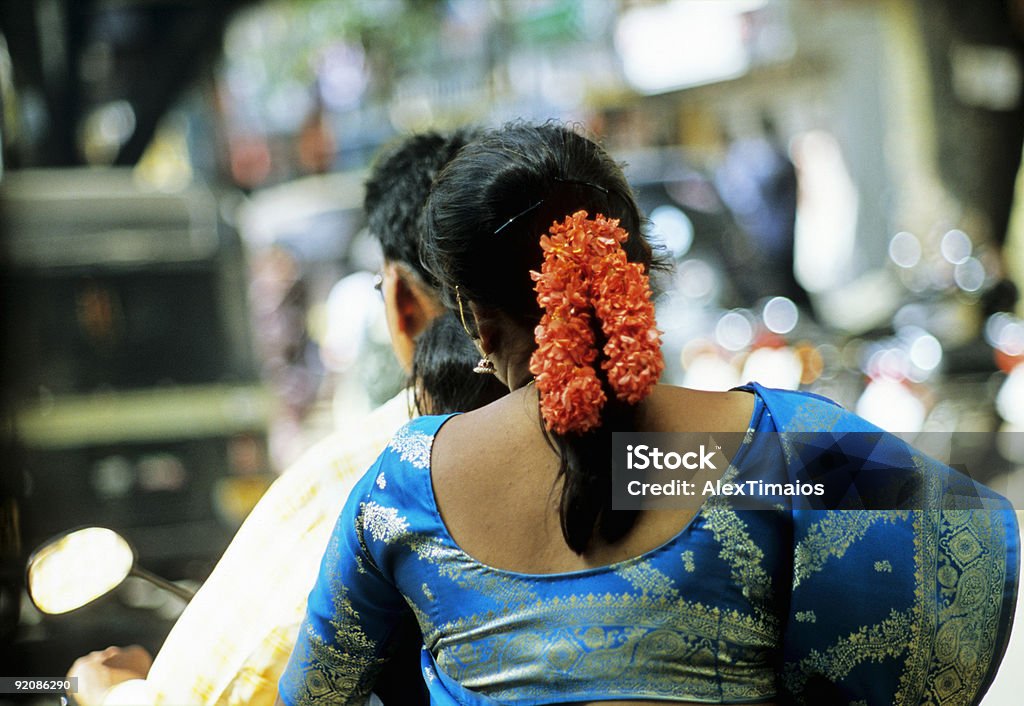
column 397, row 188
column 441, row 377
column 534, row 175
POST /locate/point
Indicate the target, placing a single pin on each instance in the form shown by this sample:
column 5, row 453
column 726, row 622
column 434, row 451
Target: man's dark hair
column 398, row 186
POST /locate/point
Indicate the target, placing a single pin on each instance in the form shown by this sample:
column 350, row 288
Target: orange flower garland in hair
column 585, row 274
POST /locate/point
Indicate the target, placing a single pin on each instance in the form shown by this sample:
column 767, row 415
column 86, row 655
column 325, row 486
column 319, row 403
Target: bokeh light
column 734, row 330
column 905, row 249
column 673, row 228
column 780, row 315
column 955, row 246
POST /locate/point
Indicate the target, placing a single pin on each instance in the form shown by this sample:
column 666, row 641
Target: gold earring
column 485, row 367
column 462, row 314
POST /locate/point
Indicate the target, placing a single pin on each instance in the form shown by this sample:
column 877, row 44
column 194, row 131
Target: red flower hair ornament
column 585, row 274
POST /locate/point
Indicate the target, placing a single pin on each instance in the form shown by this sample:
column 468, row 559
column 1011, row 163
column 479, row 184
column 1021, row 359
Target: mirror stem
column 183, row 593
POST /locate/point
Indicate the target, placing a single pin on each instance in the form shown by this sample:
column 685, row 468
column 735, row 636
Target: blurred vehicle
column 134, row 386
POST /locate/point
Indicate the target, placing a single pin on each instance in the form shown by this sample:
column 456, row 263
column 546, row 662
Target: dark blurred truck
column 132, row 388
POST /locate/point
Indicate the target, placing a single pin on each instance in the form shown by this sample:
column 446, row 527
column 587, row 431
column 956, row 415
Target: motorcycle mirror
column 75, row 568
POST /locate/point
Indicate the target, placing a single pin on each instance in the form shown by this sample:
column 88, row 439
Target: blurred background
column 187, row 297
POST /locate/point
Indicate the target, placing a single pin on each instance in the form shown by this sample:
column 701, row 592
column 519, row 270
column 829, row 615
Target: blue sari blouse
column 784, row 602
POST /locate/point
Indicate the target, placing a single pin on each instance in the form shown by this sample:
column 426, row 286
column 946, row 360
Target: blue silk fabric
column 786, row 602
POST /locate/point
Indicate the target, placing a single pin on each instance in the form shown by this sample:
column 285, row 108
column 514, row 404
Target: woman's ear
column 506, row 343
column 488, row 330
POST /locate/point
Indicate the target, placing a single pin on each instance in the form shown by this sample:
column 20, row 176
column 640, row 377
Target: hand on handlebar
column 99, row 671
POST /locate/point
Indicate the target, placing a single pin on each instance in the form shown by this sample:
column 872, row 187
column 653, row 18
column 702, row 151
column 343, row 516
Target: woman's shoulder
column 791, row 396
column 800, row 410
column 671, row 408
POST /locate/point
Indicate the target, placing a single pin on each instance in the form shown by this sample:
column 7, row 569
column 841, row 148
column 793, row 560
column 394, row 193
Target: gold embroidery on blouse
column 454, row 564
column 423, row 618
column 891, row 638
column 969, row 611
column 833, row 535
column 915, row 669
column 947, row 637
column 430, row 548
column 811, row 414
column 346, row 662
column 384, row 524
column 412, row 447
column 739, row 550
column 331, row 673
column 604, row 637
column 647, row 579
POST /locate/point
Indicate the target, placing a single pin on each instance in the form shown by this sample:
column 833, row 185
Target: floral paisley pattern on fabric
column 739, row 607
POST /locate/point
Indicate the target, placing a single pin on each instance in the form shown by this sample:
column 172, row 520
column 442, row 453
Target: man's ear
column 415, row 307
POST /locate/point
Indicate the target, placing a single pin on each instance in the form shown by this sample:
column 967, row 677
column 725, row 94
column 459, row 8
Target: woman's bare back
column 494, row 478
